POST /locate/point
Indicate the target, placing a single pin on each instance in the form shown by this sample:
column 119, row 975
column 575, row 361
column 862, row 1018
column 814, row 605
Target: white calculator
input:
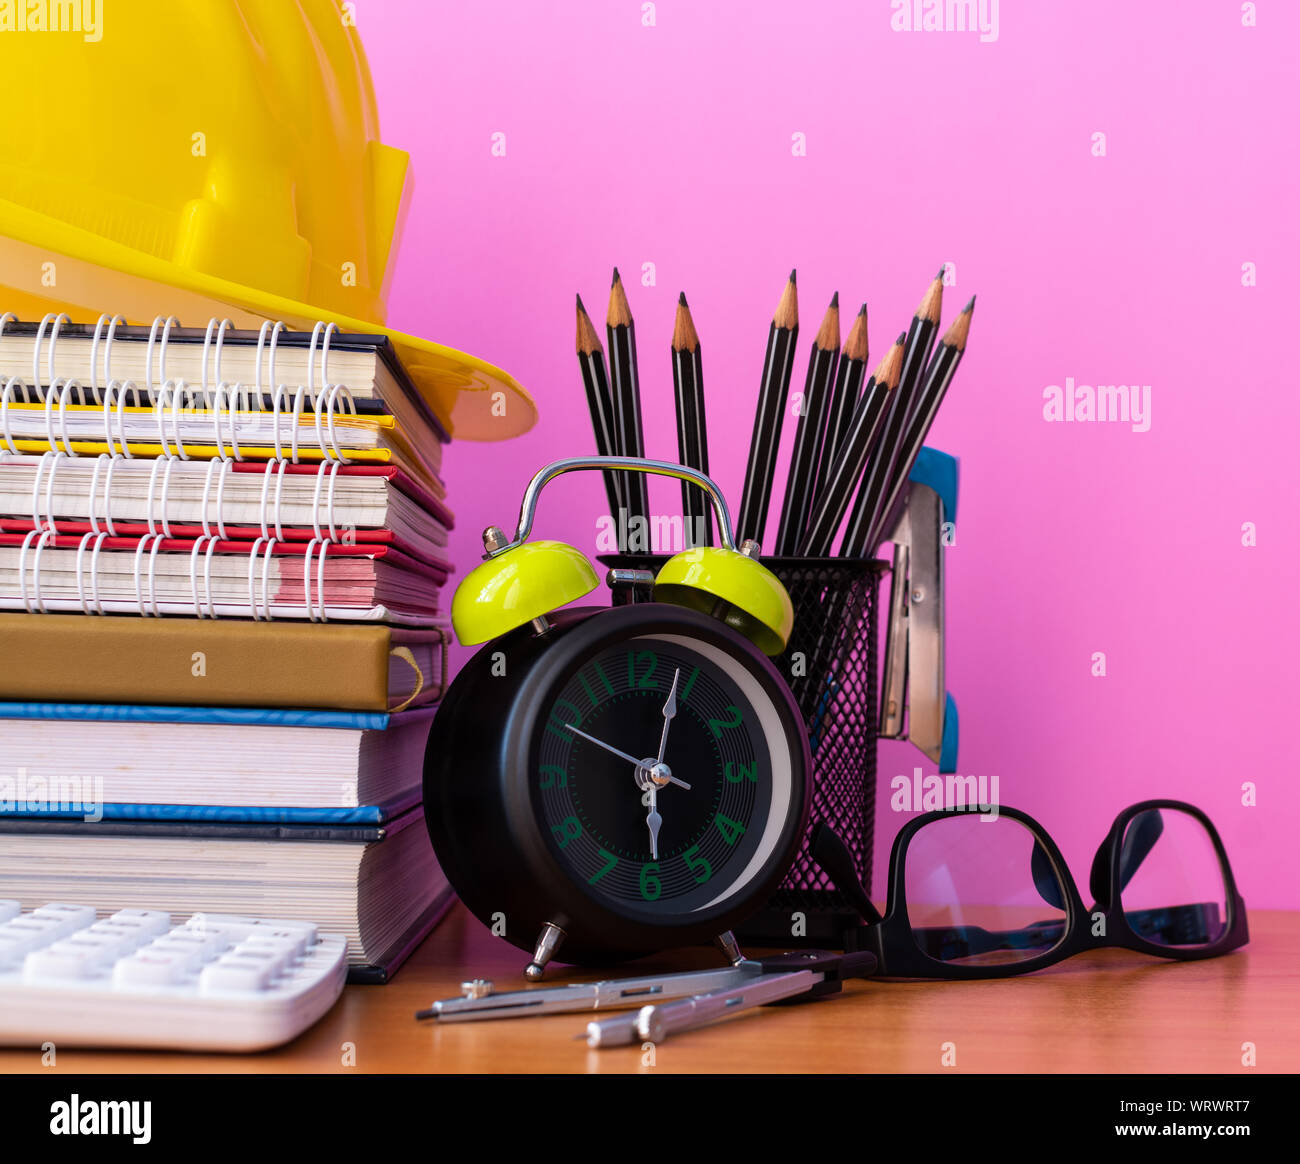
column 215, row 983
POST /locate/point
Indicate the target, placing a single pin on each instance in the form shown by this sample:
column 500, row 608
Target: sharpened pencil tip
column 792, row 278
column 942, row 271
column 902, row 338
column 862, row 310
column 615, row 281
column 580, row 306
column 681, row 298
column 970, row 306
column 835, row 300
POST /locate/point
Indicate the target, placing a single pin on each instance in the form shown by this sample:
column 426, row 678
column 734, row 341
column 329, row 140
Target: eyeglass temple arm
column 1139, row 839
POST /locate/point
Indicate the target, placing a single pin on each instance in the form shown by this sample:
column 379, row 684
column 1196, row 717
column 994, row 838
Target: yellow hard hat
column 216, row 157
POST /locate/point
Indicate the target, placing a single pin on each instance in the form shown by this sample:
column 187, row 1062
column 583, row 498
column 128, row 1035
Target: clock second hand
column 621, row 755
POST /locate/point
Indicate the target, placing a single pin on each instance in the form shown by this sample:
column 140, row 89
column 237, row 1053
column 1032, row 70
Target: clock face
column 725, row 740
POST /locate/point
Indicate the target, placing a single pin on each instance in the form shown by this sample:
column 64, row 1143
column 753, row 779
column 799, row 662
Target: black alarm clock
column 617, row 780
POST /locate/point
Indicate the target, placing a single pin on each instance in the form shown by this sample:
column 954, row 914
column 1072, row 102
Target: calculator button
column 70, row 917
column 60, row 961
column 152, row 921
column 150, row 969
column 234, row 972
column 281, row 941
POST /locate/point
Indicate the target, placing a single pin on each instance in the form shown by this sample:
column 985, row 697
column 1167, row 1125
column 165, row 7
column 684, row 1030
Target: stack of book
column 221, row 643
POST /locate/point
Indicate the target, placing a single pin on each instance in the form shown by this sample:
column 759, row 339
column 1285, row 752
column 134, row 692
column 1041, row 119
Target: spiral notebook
column 233, row 500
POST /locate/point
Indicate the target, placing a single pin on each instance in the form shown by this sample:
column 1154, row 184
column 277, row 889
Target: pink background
column 672, row 145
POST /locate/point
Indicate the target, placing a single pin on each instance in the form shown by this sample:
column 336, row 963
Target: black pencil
column 859, row 441
column 876, row 484
column 600, row 404
column 692, row 433
column 934, row 386
column 843, row 400
column 627, row 395
column 777, row 363
column 809, row 430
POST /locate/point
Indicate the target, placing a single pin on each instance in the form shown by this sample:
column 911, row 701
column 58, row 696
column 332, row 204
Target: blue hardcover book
column 105, row 761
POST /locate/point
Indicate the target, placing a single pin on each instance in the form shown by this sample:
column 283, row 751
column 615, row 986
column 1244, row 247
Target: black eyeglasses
column 984, row 896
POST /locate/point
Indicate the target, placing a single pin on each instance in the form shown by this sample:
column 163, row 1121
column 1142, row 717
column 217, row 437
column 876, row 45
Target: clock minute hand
column 670, row 710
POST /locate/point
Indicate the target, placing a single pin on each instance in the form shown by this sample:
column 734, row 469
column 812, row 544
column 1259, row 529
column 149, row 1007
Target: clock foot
column 730, row 948
column 547, row 943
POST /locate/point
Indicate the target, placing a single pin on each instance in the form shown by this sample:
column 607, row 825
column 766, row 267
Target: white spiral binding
column 108, row 351
column 95, row 606
column 225, row 469
column 169, row 397
column 211, row 611
column 108, row 492
column 42, row 537
column 12, row 383
column 221, row 326
column 266, row 566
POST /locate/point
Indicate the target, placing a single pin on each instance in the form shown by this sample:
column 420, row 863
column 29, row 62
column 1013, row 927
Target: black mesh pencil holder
column 831, row 666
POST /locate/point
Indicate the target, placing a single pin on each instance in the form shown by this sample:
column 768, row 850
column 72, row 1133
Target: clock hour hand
column 654, row 822
column 670, row 710
column 621, row 755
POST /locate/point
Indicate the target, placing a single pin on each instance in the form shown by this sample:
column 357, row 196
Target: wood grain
column 1112, row 1011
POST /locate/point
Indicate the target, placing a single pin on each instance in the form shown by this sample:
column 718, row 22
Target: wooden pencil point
column 891, row 367
column 588, row 338
column 787, row 309
column 617, row 279
column 970, row 306
column 955, row 336
column 855, row 345
column 932, row 302
column 681, row 298
column 685, row 337
column 792, row 278
column 828, row 335
column 620, row 313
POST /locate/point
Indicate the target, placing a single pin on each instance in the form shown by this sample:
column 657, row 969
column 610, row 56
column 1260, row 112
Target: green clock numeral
column 700, row 868
column 685, row 693
column 651, row 886
column 645, row 680
column 733, row 720
column 604, row 679
column 610, row 862
column 586, row 687
column 730, row 829
column 738, row 773
column 562, row 714
column 569, row 829
column 553, row 776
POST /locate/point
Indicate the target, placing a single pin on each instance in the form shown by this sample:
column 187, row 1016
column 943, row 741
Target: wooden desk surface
column 1111, row 1011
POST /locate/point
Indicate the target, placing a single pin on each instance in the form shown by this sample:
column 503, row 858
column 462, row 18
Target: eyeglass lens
column 1172, row 890
column 982, row 892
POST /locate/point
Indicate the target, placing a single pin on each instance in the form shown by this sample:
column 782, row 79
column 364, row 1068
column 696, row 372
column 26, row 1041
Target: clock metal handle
column 629, row 464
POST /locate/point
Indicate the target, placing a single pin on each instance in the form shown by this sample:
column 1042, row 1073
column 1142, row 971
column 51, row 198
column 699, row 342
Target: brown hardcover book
column 69, row 658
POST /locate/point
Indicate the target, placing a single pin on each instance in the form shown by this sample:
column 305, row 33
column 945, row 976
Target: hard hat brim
column 96, row 274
